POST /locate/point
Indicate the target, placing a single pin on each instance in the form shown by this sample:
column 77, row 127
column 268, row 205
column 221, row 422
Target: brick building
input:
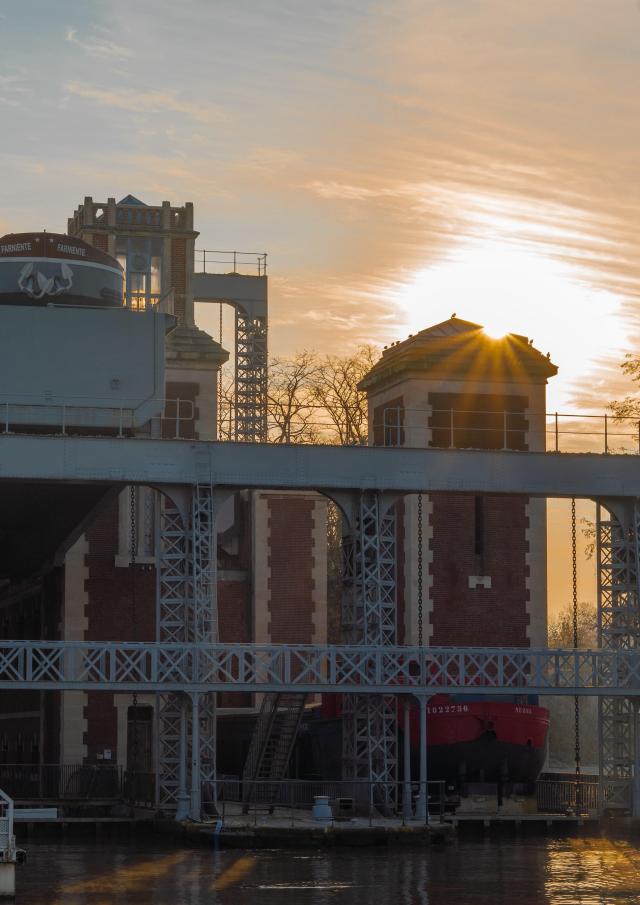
column 483, row 556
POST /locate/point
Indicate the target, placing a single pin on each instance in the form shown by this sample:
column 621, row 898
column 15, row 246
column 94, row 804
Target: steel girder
column 250, row 377
column 350, row 669
column 369, row 734
column 617, row 544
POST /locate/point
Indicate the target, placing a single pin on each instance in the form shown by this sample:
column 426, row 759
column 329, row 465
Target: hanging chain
column 419, row 570
column 576, row 700
column 133, row 528
column 220, row 414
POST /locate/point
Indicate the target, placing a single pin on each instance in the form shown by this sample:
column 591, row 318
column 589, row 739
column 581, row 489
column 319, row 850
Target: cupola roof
column 458, row 349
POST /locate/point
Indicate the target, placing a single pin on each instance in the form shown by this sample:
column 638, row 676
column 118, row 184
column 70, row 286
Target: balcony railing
column 62, row 416
column 501, row 429
column 249, row 263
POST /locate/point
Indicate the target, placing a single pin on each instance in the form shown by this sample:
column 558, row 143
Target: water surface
column 589, row 871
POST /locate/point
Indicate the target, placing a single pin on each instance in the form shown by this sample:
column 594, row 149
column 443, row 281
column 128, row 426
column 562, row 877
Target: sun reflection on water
column 592, row 871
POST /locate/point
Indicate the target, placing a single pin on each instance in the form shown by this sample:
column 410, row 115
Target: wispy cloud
column 14, row 89
column 147, row 102
column 97, row 45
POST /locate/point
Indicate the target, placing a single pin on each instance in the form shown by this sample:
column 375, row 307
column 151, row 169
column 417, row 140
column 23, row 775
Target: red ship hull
column 486, row 741
column 483, row 741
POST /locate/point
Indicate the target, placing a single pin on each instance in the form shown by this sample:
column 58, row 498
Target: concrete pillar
column 196, row 788
column 407, row 808
column 183, row 798
column 7, row 880
column 422, row 809
column 166, row 215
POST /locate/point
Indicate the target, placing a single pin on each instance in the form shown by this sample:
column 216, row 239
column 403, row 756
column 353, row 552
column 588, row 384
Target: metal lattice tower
column 369, row 618
column 186, row 612
column 172, row 620
column 617, row 543
column 250, row 377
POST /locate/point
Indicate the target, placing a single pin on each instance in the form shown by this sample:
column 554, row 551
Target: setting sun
column 508, row 288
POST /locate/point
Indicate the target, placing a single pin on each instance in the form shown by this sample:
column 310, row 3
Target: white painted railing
column 7, row 839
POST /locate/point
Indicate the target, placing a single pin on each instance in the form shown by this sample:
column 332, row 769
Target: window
column 141, row 260
column 479, row 526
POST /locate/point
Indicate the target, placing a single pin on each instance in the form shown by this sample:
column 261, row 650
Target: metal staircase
column 271, row 746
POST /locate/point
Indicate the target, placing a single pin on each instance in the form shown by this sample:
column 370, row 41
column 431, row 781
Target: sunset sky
column 398, row 161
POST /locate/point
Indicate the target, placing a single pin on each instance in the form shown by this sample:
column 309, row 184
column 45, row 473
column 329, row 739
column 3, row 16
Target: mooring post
column 407, row 808
column 196, row 788
column 183, row 798
column 422, row 809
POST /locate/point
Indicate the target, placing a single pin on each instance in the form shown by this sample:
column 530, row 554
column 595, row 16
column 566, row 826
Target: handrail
column 7, row 839
column 398, row 425
column 241, row 261
column 72, row 404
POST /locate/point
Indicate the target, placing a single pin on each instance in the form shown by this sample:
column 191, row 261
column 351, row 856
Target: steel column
column 617, row 540
column 369, row 619
column 422, row 808
column 250, row 377
column 183, row 798
column 187, row 613
column 173, row 616
column 195, row 808
column 407, row 805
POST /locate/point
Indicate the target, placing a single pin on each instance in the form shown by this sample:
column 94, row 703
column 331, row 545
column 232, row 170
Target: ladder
column 271, row 746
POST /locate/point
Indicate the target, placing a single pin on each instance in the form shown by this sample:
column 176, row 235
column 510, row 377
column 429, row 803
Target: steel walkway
column 190, row 668
column 332, row 468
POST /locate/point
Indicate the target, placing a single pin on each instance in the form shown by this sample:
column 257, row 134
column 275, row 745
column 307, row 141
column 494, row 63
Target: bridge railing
column 563, row 796
column 249, row 263
column 505, row 429
column 60, row 416
column 292, row 800
column 54, row 782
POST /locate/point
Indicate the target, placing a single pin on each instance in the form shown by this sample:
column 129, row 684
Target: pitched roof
column 132, row 200
column 459, row 349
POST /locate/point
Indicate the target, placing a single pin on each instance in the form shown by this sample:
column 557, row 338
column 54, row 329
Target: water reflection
column 499, row 870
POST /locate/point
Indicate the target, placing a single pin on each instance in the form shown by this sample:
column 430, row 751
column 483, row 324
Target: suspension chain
column 574, row 589
column 420, row 602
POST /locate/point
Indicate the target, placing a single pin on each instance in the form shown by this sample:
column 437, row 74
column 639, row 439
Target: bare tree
column 629, row 407
column 560, row 632
column 336, row 391
column 290, row 399
column 226, row 404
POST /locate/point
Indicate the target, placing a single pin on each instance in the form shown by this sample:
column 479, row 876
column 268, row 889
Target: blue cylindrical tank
column 38, row 269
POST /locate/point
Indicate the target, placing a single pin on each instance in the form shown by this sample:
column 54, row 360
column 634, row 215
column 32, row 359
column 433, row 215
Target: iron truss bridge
column 191, row 668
